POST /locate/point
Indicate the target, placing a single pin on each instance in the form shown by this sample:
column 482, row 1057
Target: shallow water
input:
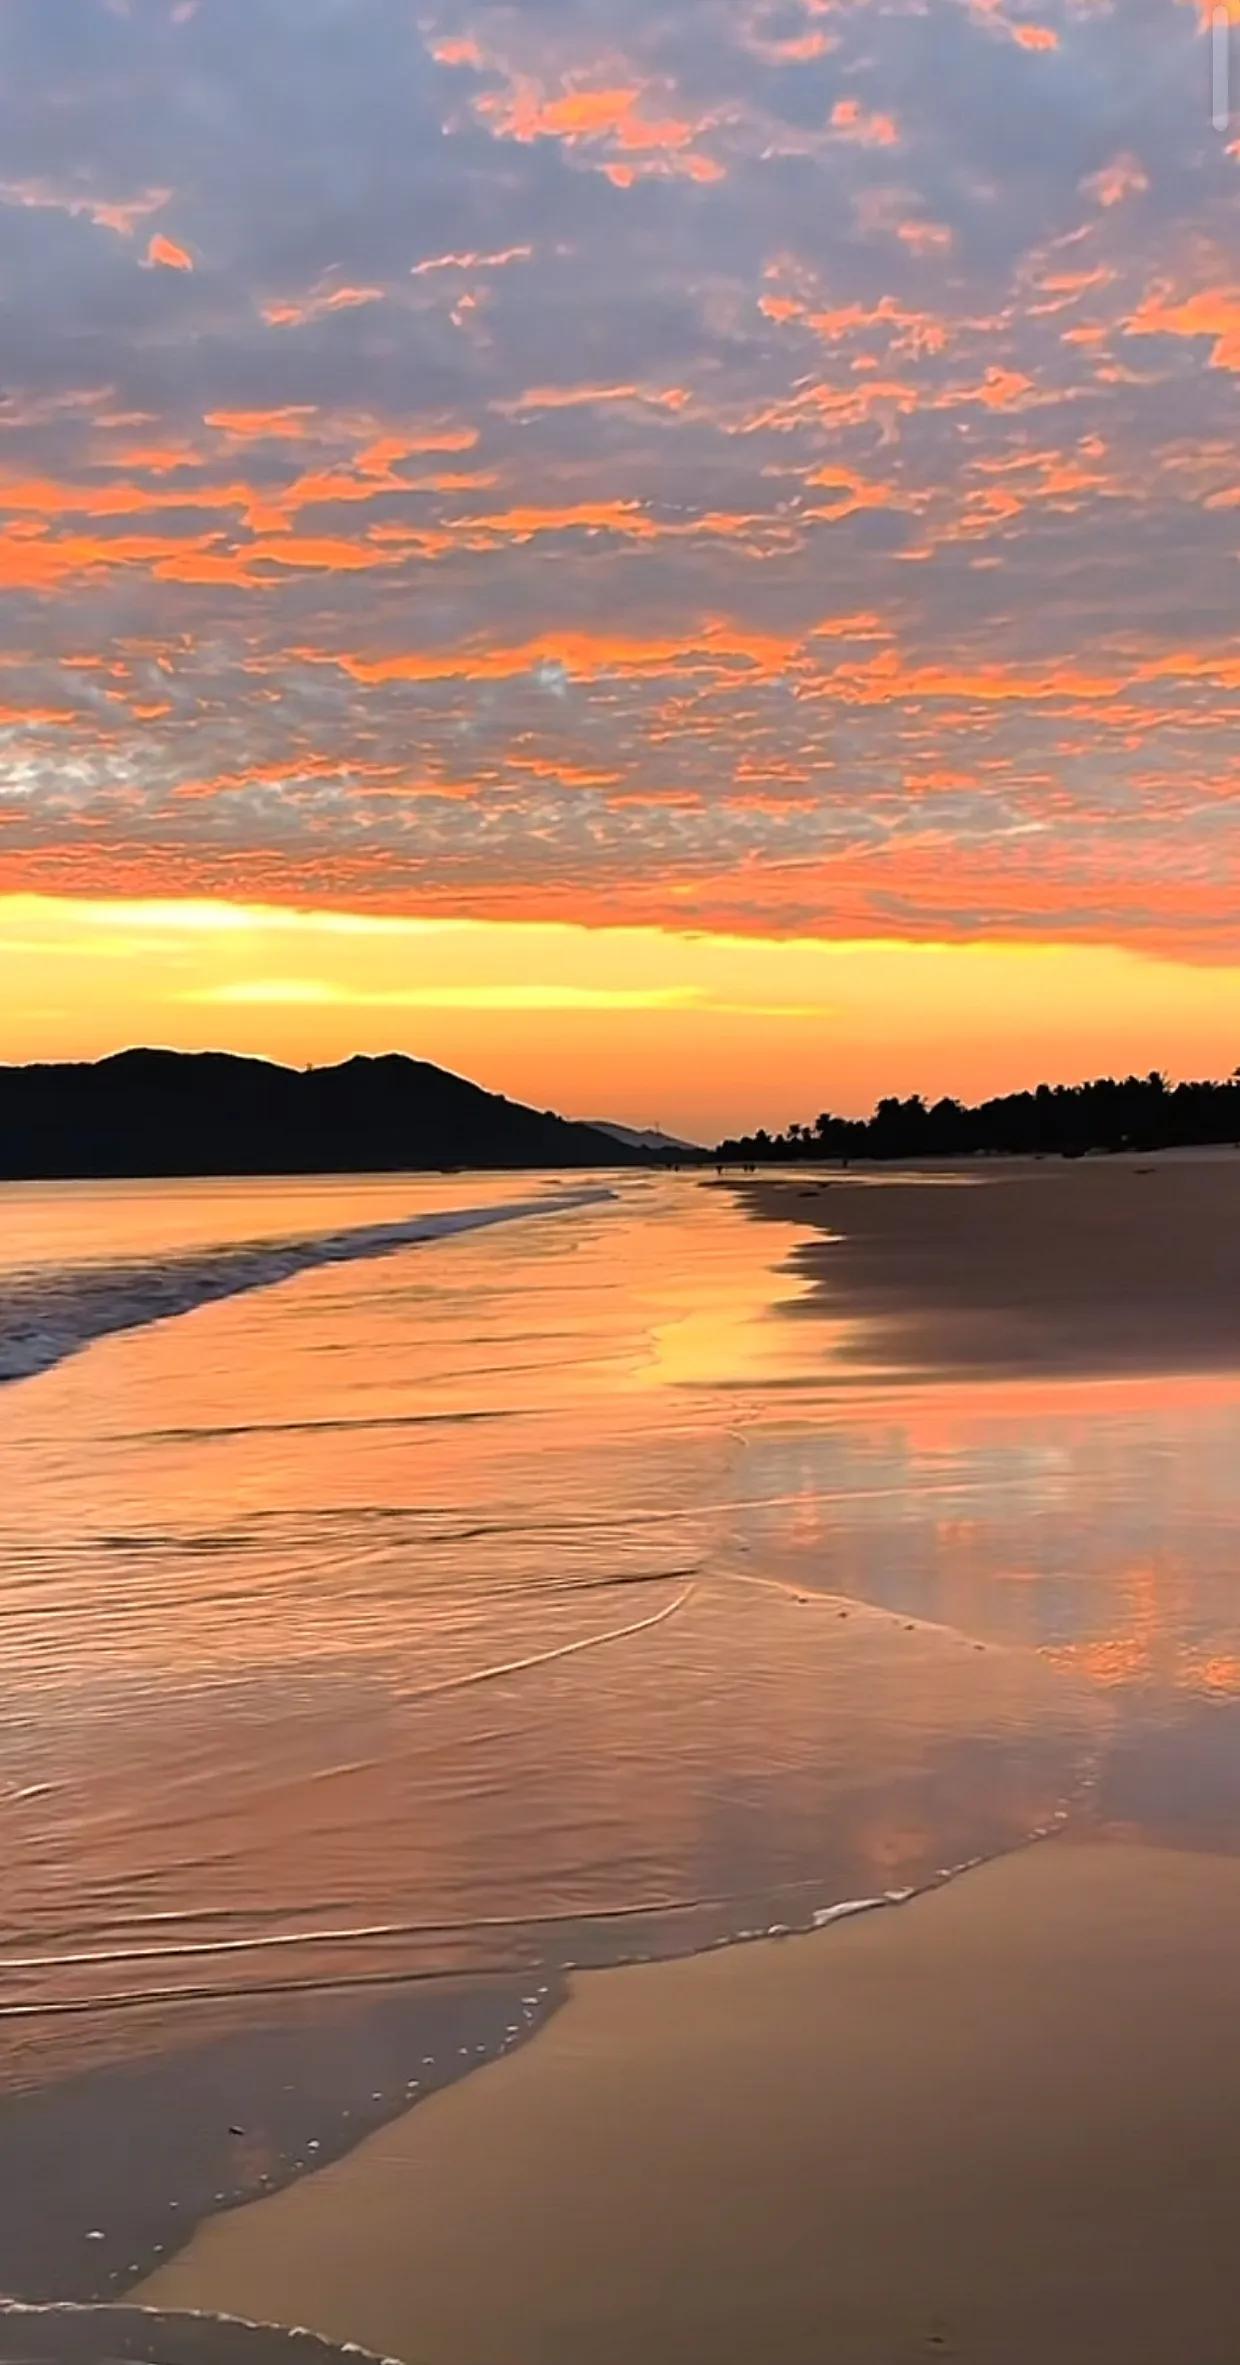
column 551, row 1593
column 69, row 2335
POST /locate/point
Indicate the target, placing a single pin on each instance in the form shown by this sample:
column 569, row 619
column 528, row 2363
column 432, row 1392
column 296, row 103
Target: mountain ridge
column 154, row 1112
column 650, row 1140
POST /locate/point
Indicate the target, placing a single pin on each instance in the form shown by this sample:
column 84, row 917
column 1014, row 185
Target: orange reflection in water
column 405, row 1597
column 516, row 1578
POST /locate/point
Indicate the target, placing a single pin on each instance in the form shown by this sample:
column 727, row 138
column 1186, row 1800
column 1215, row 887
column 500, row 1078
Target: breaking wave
column 47, row 1316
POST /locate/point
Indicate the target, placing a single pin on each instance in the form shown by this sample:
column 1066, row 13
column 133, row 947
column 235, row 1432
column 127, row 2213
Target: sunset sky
column 676, row 555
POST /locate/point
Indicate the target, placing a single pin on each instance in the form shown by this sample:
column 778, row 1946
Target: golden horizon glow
column 704, row 1033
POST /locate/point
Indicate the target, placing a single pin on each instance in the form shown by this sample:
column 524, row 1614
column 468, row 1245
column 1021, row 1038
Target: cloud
column 1212, row 313
column 319, row 993
column 164, row 254
column 118, row 214
column 1124, row 177
column 869, row 129
column 767, row 465
column 296, row 311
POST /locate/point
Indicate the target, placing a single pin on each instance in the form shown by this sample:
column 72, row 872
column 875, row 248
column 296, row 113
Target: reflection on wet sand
column 1119, row 1264
column 557, row 1596
column 165, row 2117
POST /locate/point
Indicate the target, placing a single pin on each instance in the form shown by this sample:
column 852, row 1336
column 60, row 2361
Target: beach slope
column 999, row 2123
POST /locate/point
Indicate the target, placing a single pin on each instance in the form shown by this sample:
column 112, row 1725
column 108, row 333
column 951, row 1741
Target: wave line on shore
column 819, row 1921
column 563, row 1650
column 46, row 1318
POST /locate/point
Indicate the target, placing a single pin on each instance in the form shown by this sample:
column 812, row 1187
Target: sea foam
column 47, row 1316
column 64, row 2333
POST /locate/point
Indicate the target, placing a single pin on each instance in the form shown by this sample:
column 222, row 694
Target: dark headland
column 183, row 1113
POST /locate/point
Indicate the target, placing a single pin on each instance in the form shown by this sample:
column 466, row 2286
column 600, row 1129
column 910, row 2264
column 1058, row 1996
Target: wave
column 344, row 1426
column 46, row 1317
column 68, row 2333
column 666, row 1916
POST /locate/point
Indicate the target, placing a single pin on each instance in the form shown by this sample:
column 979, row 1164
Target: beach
column 461, row 1690
column 1014, row 1267
column 999, row 2122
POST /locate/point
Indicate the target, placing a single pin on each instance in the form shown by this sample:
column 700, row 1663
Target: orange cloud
column 258, row 426
column 472, row 262
column 883, row 399
column 1212, row 312
column 328, row 553
column 925, row 238
column 1119, row 180
column 33, row 560
column 915, row 332
column 28, row 717
column 852, row 121
column 588, row 116
column 1028, row 36
column 627, row 519
column 568, row 398
column 1000, row 390
column 580, row 114
column 295, row 311
column 582, row 655
column 164, row 254
column 462, row 51
column 797, row 49
column 42, row 497
column 854, row 492
column 120, row 215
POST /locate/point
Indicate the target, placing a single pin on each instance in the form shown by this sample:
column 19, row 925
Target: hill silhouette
column 178, row 1113
column 1066, row 1120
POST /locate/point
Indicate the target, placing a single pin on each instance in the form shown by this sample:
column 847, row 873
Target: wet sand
column 121, row 2131
column 1106, row 1265
column 999, row 2123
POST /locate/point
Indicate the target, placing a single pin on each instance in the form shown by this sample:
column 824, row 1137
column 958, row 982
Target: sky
column 678, row 557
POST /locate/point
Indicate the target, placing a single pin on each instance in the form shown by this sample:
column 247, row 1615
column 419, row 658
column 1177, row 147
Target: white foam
column 46, row 1317
column 845, row 1910
column 30, row 2328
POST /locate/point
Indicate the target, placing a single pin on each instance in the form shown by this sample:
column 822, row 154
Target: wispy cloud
column 514, row 995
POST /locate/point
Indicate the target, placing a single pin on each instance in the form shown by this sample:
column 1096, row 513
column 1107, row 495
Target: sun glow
column 643, row 1024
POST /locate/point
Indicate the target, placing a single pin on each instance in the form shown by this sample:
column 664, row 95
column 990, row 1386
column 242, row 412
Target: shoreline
column 176, row 2116
column 1023, row 1272
column 997, row 2123
column 743, row 2058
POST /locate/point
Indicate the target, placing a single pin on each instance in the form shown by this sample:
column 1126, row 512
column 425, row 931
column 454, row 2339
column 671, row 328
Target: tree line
column 1065, row 1120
